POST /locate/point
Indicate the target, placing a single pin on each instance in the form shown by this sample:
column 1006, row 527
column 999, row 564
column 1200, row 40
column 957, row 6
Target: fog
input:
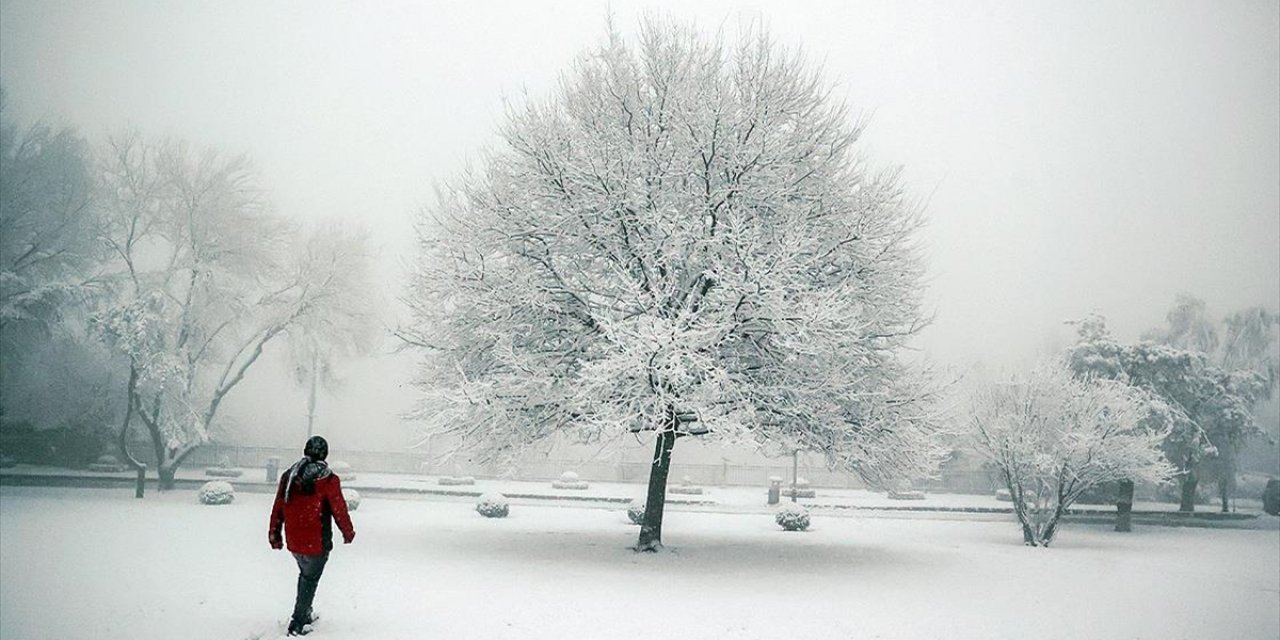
column 1072, row 158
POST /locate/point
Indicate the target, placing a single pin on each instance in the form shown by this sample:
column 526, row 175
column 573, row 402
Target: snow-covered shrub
column 1054, row 436
column 686, row 486
column 217, row 492
column 906, row 494
column 801, row 490
column 569, row 480
column 224, row 469
column 493, row 505
column 107, row 462
column 450, row 481
column 635, row 512
column 352, row 497
column 343, row 470
column 792, row 517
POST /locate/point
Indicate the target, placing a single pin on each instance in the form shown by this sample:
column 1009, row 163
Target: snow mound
column 352, row 497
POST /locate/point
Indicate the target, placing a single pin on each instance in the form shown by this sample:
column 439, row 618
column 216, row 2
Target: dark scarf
column 305, row 472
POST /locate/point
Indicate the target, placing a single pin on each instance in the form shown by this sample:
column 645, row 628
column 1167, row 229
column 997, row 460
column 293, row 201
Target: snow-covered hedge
column 493, row 505
column 635, row 512
column 449, row 481
column 792, row 517
column 343, row 470
column 352, row 497
column 217, row 492
column 906, row 494
column 569, row 480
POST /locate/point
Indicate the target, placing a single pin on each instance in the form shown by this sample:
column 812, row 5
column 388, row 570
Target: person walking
column 308, row 500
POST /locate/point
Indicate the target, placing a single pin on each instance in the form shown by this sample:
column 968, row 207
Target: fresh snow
column 98, row 564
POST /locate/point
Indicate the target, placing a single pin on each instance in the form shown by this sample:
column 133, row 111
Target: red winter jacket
column 306, row 517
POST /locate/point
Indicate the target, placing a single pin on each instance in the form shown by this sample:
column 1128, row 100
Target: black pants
column 309, row 570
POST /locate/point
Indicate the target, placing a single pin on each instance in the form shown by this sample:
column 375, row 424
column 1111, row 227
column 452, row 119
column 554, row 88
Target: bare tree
column 204, row 286
column 319, row 341
column 681, row 240
column 1054, row 435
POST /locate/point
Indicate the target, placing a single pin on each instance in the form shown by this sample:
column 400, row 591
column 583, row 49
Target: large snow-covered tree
column 1054, row 435
column 208, row 277
column 682, row 239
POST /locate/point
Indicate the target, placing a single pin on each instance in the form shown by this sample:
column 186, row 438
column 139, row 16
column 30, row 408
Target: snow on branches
column 1054, row 435
column 684, row 238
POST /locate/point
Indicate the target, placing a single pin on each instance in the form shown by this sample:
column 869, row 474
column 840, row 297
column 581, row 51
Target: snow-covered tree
column 318, row 342
column 1202, row 407
column 48, row 248
column 683, row 239
column 206, row 283
column 1054, row 435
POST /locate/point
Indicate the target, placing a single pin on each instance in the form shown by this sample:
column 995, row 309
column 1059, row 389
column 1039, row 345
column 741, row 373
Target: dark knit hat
column 317, row 448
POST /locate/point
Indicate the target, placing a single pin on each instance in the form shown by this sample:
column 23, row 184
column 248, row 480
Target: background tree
column 206, row 283
column 52, row 376
column 318, row 342
column 681, row 240
column 1202, row 406
column 1054, row 435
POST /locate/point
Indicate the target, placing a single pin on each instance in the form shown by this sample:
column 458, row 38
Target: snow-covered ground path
column 80, row 563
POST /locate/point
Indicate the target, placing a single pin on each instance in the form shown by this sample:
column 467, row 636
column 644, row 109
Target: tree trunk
column 1224, row 493
column 651, row 529
column 1124, row 506
column 140, row 489
column 311, row 400
column 167, row 473
column 1189, row 482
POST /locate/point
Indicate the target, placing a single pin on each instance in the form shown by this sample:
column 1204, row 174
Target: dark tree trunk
column 651, row 528
column 1124, row 506
column 1224, row 493
column 140, row 489
column 1189, row 482
column 167, row 474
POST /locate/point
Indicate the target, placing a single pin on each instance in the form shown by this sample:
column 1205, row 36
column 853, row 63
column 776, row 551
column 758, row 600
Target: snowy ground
column 81, row 563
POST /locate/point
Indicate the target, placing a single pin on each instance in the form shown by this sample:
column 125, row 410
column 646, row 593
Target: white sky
column 1075, row 156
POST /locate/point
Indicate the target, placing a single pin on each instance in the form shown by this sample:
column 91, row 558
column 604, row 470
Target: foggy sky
column 1091, row 157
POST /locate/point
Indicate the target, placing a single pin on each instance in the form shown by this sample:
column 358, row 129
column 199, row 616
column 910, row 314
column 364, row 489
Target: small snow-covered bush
column 217, row 492
column 635, row 512
column 493, row 505
column 224, row 469
column 107, row 462
column 449, row 481
column 352, row 497
column 801, row 489
column 906, row 494
column 569, row 480
column 343, row 470
column 792, row 517
column 686, row 487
